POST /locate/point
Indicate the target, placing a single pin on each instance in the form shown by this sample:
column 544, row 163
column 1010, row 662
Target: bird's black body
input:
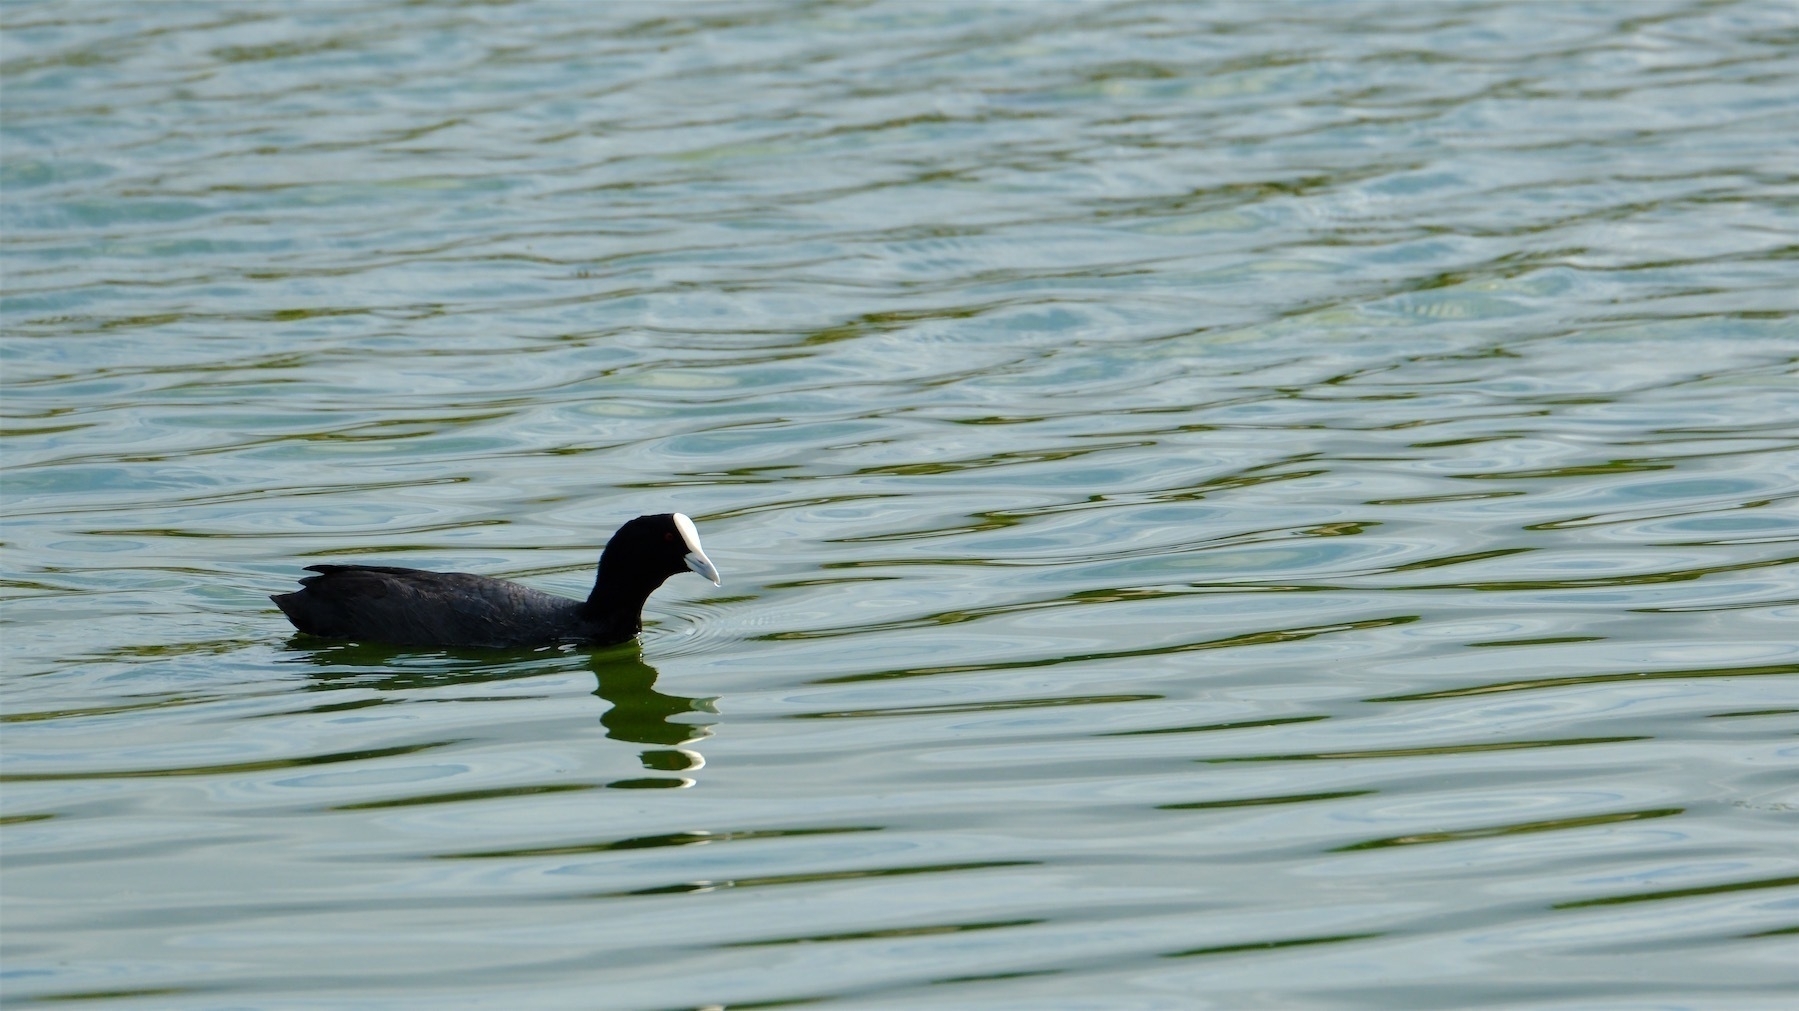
column 417, row 607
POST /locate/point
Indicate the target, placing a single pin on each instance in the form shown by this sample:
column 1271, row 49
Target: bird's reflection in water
column 636, row 712
column 642, row 715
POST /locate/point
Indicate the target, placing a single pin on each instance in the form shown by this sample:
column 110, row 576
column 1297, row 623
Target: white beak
column 702, row 565
column 696, row 558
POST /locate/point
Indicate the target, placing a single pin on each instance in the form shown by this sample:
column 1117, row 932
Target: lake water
column 1220, row 506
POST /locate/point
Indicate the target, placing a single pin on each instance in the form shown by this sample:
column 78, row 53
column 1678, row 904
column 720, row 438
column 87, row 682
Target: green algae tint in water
column 1221, row 506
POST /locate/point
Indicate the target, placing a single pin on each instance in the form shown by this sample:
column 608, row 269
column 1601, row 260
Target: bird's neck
column 616, row 605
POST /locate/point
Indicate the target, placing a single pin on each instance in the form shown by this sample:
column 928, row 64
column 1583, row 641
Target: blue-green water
column 1244, row 506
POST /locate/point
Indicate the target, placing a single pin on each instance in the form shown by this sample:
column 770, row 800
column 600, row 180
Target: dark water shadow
column 636, row 712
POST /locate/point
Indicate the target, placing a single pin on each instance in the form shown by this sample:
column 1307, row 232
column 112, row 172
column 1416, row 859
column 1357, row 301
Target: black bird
column 417, row 607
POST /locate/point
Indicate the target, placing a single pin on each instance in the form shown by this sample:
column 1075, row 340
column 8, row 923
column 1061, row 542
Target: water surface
column 1220, row 505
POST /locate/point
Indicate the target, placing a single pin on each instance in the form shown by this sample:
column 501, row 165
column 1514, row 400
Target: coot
column 417, row 607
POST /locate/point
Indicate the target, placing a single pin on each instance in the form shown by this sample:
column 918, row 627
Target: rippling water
column 1220, row 506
